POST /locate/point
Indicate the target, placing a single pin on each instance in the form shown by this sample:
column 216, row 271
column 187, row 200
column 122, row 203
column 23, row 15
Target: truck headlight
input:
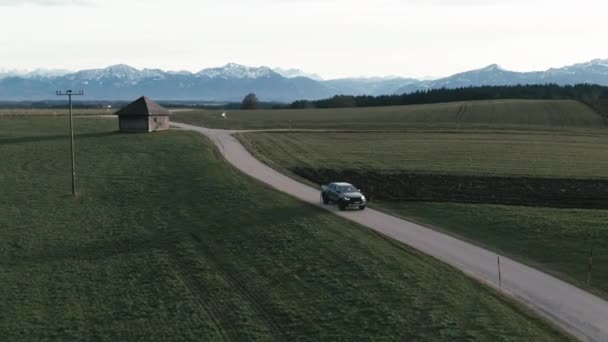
column 363, row 198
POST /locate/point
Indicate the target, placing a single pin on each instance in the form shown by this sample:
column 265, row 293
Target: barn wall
column 133, row 123
column 158, row 123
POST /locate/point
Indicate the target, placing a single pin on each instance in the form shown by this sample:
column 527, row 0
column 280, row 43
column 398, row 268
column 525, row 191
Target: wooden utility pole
column 69, row 94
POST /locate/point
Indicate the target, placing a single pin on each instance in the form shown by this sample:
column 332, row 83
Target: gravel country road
column 579, row 312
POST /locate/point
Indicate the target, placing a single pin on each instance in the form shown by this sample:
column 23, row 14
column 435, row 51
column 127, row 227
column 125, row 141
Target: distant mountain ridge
column 4, row 73
column 593, row 72
column 293, row 73
column 233, row 81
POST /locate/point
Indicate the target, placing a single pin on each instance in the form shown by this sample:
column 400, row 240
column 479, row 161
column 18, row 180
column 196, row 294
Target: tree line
column 588, row 93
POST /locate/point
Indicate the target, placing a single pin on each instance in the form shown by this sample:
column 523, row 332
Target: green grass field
column 455, row 152
column 556, row 240
column 168, row 242
column 500, row 114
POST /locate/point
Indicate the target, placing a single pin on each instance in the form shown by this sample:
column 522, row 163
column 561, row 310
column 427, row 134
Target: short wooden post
column 590, row 269
column 499, row 273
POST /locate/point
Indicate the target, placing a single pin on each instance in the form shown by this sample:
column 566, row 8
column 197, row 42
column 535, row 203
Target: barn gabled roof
column 143, row 106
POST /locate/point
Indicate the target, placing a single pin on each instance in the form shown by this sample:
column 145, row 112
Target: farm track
column 254, row 298
column 581, row 313
column 200, row 296
column 206, row 299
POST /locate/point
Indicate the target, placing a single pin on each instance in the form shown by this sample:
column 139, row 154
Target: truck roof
column 342, row 184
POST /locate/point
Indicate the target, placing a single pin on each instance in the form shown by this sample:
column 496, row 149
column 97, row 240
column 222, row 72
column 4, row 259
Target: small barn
column 143, row 115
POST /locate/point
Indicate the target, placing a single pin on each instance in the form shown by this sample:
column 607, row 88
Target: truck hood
column 352, row 195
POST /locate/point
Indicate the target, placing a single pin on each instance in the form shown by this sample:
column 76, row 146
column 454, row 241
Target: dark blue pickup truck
column 343, row 194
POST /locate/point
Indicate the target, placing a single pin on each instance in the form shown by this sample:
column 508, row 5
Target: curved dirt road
column 577, row 311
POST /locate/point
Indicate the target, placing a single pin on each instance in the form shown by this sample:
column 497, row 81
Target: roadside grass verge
column 167, row 242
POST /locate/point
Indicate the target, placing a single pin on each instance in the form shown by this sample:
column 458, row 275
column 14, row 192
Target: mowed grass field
column 167, row 242
column 535, row 154
column 499, row 114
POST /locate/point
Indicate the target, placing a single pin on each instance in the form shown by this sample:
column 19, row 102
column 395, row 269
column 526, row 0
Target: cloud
column 465, row 3
column 46, row 3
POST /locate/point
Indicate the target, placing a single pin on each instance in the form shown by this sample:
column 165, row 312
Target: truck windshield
column 344, row 189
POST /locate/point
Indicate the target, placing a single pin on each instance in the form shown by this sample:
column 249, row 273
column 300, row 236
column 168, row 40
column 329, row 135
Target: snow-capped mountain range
column 4, row 73
column 236, row 71
column 293, row 73
column 593, row 72
column 233, row 81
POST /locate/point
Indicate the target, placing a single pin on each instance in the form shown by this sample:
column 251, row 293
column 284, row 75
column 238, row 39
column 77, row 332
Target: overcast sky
column 333, row 38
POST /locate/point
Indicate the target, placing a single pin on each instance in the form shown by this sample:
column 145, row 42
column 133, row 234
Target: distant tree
column 250, row 102
column 302, row 104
